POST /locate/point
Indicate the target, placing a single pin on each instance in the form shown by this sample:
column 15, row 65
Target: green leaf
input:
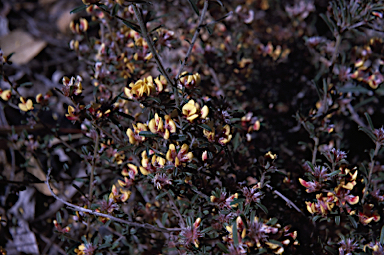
column 368, row 132
column 114, row 10
column 353, row 221
column 26, row 84
column 164, row 218
column 219, row 2
column 276, row 242
column 58, row 217
column 79, row 9
column 337, row 220
column 222, row 247
column 334, row 173
column 206, row 230
column 262, row 207
column 125, row 115
column 130, row 24
column 157, row 100
column 235, row 236
column 125, row 148
column 147, row 134
column 161, row 195
column 181, row 138
column 369, row 121
column 329, row 23
column 272, row 221
column 78, row 189
column 193, row 166
column 205, row 126
column 330, row 249
column 236, row 141
column 194, row 7
column 315, row 218
column 382, row 235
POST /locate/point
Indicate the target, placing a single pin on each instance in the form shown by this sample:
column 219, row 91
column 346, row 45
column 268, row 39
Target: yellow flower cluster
column 191, row 111
column 163, row 128
column 119, row 195
column 134, row 137
column 25, row 105
column 223, row 137
column 179, row 157
column 190, row 81
column 150, row 166
column 321, row 206
column 147, row 86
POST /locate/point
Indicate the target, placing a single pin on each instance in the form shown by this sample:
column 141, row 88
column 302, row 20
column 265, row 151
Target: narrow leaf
column 147, row 134
column 78, row 9
column 369, row 120
column 194, row 7
column 58, row 217
column 353, row 221
column 382, row 235
column 222, row 247
column 235, row 236
column 368, row 132
column 337, row 220
column 164, row 218
column 205, row 126
column 130, row 24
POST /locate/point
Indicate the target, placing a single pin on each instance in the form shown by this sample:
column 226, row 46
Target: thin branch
column 177, row 212
column 110, row 217
column 194, row 38
column 90, row 194
column 287, row 200
column 355, row 117
column 377, row 148
column 336, row 50
column 92, row 177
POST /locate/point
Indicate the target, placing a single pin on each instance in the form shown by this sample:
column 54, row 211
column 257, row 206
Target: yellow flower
column 191, row 111
column 141, row 87
column 227, row 135
column 134, row 137
column 160, row 82
column 179, row 157
column 190, row 81
column 204, row 112
column 209, row 134
column 131, row 172
column 6, row 94
column 157, row 126
column 25, row 105
column 71, row 115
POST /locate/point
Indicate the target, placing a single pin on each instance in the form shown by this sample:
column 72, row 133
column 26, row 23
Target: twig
column 93, row 168
column 287, row 200
column 159, row 63
column 92, row 178
column 177, row 212
column 110, row 217
column 355, row 117
column 194, row 38
column 336, row 50
column 377, row 148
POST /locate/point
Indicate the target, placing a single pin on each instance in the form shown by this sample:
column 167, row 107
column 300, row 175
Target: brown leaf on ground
column 22, row 44
column 35, row 169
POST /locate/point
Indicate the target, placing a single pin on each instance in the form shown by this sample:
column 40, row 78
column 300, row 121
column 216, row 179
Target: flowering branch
column 144, row 33
column 110, row 217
